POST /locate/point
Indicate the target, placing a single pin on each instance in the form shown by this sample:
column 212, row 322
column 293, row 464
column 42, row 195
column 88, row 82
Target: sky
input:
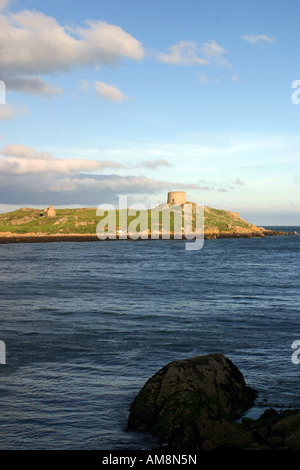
column 101, row 99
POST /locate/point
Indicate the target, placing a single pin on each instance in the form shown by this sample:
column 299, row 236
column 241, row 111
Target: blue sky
column 139, row 98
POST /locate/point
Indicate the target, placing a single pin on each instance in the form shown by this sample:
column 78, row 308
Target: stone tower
column 176, row 197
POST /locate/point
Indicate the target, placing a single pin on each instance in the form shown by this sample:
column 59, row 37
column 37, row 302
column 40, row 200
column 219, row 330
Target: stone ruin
column 49, row 212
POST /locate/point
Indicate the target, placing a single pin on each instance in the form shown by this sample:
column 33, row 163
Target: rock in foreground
column 189, row 405
column 188, row 400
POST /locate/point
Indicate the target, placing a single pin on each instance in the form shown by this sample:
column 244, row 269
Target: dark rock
column 275, row 430
column 189, row 404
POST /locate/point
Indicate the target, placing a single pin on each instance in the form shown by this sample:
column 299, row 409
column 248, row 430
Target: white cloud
column 20, row 160
column 29, row 176
column 215, row 53
column 33, row 44
column 60, row 189
column 212, row 49
column 8, row 112
column 257, row 38
column 190, row 53
column 32, row 84
column 114, row 183
column 183, row 53
column 4, row 4
column 156, row 163
column 109, row 92
column 23, row 151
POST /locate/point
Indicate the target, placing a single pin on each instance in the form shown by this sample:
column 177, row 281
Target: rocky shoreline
column 246, row 233
column 7, row 237
column 193, row 405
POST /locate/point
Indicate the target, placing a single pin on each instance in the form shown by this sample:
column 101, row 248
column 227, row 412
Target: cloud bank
column 30, row 176
column 21, row 160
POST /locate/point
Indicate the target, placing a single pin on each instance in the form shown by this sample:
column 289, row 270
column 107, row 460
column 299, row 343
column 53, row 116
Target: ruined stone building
column 49, row 212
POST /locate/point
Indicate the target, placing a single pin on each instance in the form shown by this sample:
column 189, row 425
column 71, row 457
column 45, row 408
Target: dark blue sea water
column 86, row 324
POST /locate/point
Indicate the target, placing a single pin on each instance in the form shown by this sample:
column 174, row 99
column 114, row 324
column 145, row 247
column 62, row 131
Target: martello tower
column 176, row 197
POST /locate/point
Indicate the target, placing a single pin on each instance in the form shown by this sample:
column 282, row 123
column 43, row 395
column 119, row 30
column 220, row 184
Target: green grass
column 84, row 221
column 223, row 220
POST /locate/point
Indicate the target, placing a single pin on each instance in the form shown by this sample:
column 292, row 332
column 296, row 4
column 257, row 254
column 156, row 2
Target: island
column 31, row 225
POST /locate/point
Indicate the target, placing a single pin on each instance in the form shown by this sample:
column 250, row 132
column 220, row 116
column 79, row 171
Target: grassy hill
column 84, row 221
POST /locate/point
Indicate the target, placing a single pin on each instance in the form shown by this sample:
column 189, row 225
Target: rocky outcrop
column 184, row 402
column 23, row 220
column 275, row 430
column 192, row 405
column 210, row 233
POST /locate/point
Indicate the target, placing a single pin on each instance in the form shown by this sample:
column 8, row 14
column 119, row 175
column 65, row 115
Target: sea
column 86, row 324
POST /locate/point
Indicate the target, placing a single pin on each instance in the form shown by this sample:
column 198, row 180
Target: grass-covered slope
column 29, row 220
column 84, row 221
